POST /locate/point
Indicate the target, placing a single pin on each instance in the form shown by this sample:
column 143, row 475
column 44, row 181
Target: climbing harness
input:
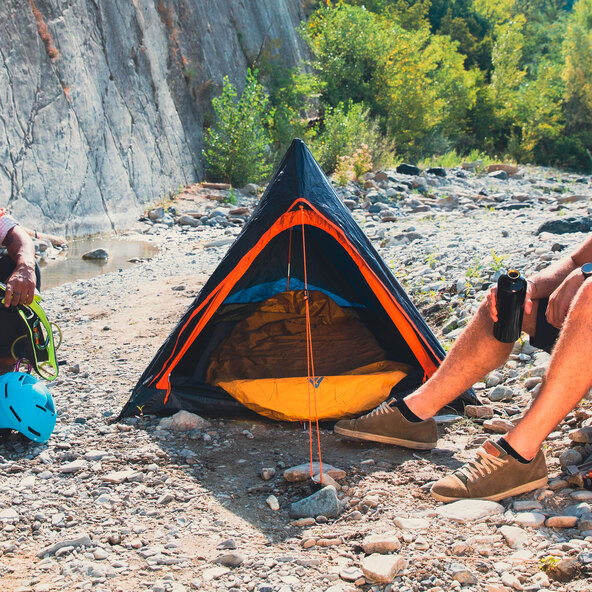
column 37, row 343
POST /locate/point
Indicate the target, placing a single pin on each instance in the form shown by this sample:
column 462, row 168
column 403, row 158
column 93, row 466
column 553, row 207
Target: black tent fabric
column 299, row 207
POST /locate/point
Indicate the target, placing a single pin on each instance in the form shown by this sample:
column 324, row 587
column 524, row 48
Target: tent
column 301, row 302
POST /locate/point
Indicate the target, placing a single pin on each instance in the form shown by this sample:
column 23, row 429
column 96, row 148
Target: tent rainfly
column 301, row 302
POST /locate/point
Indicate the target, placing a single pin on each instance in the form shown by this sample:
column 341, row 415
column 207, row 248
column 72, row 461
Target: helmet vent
column 15, row 414
column 34, row 432
column 6, row 391
column 39, row 407
column 21, row 378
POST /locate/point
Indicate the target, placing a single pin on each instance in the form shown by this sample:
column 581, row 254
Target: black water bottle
column 511, row 291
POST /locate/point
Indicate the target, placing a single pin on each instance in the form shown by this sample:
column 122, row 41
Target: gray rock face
column 115, row 119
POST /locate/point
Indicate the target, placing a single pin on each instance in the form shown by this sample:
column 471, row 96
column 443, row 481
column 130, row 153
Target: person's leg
column 475, row 353
column 516, row 464
column 566, row 382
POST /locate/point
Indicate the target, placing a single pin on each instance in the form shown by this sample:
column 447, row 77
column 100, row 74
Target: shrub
column 344, row 129
column 237, row 144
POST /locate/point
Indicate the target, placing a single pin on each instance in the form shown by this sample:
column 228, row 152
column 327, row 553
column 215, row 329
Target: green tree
column 578, row 67
column 237, row 144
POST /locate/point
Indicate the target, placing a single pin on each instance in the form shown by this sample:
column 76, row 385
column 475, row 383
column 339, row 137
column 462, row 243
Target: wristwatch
column 587, row 270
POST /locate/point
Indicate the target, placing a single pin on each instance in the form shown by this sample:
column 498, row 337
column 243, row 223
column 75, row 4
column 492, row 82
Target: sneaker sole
column 384, row 439
column 525, row 488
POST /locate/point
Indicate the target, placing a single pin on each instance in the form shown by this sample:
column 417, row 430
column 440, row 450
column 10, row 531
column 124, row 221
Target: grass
column 453, row 159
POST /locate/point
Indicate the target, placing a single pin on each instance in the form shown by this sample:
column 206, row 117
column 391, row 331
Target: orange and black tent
column 301, row 303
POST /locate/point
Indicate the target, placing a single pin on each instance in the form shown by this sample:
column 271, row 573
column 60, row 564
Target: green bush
column 345, row 128
column 237, row 145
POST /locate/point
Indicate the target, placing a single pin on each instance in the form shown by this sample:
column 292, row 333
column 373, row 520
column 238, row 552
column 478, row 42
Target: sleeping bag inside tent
column 301, row 319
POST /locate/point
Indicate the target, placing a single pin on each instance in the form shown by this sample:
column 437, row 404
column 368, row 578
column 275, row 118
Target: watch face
column 587, row 269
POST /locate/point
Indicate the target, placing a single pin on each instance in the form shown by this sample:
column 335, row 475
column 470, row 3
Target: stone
column 570, row 457
column 530, row 519
column 381, row 543
column 382, row 569
column 462, row 575
column 479, row 411
column 581, row 495
column 561, row 522
column 231, row 559
column 273, row 503
column 408, row 169
column 351, row 574
column 501, row 393
column 497, row 425
column 566, row 225
column 321, row 503
column 501, row 175
column 510, row 579
column 302, row 472
column 74, row 466
column 267, row 473
column 412, row 523
column 9, row 516
column 470, row 510
column 117, row 476
column 82, row 540
column 187, row 220
column 96, row 255
column 183, row 421
column 564, row 570
column 582, row 435
column 515, row 537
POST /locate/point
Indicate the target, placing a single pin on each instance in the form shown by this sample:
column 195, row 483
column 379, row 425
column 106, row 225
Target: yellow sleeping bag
column 337, row 397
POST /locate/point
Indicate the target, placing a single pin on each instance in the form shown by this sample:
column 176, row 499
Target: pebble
column 469, row 510
column 530, row 519
column 322, row 503
column 302, row 472
column 381, row 543
column 382, row 569
column 561, row 521
column 515, row 536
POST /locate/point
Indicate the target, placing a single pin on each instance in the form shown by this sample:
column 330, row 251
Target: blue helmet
column 26, row 406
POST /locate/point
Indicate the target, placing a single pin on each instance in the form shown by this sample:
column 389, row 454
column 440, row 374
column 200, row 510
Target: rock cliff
column 102, row 102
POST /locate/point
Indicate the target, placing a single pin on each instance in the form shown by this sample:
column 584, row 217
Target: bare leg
column 475, row 353
column 568, row 378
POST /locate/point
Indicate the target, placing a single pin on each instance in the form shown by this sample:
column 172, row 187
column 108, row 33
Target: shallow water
column 70, row 266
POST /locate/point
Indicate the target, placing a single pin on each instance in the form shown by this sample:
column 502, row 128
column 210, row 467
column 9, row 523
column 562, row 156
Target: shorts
column 545, row 335
column 10, row 322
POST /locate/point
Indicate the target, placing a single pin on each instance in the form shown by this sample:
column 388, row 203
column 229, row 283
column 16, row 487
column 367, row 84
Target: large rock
column 115, row 119
column 566, row 225
column 469, row 510
column 382, row 569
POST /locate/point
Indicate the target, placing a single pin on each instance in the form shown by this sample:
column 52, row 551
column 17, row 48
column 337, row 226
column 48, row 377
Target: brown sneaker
column 387, row 425
column 493, row 475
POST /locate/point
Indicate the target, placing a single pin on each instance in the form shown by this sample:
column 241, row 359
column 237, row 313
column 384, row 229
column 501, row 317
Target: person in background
column 558, row 317
column 21, row 276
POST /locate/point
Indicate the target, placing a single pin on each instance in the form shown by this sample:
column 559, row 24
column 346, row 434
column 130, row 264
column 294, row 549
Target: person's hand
column 20, row 286
column 492, row 300
column 561, row 298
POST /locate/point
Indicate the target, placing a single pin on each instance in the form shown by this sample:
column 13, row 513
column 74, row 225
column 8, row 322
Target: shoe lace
column 483, row 465
column 382, row 409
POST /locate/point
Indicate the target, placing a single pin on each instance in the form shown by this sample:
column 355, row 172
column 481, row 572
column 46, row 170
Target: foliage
column 237, row 144
column 414, row 82
column 353, row 167
column 345, row 128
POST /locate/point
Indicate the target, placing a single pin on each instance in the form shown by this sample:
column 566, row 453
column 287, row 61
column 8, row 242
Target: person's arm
column 559, row 282
column 20, row 286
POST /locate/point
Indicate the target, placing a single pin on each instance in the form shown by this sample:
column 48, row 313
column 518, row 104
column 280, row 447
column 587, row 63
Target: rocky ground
column 141, row 505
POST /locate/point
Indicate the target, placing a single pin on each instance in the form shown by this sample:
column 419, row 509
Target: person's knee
column 582, row 303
